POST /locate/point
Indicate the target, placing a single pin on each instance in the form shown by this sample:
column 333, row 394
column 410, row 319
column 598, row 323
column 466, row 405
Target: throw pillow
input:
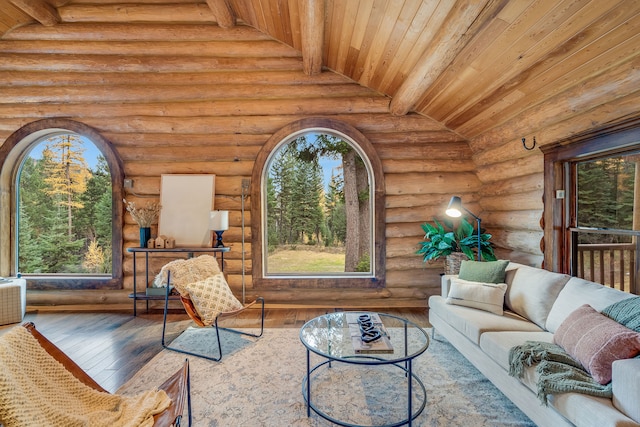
column 625, row 312
column 596, row 341
column 211, row 297
column 485, row 272
column 483, row 296
column 184, row 271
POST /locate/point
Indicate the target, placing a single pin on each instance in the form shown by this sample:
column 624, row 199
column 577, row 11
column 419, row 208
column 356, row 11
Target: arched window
column 61, row 186
column 319, row 216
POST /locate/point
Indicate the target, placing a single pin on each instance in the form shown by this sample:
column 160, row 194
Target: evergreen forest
column 65, row 211
column 605, row 197
column 304, row 210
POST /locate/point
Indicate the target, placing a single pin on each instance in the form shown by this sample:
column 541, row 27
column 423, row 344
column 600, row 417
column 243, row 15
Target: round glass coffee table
column 368, row 375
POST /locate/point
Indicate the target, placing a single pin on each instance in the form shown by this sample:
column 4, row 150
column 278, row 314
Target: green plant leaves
column 442, row 239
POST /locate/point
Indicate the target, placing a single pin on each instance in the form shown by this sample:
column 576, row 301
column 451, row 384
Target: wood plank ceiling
column 476, row 66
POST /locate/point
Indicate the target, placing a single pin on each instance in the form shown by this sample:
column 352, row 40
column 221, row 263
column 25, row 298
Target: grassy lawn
column 305, row 259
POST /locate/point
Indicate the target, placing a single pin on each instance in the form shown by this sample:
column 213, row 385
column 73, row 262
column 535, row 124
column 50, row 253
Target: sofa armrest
column 446, row 284
column 626, row 387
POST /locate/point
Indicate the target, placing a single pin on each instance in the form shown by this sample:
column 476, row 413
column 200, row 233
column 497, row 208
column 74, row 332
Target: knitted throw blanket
column 36, row 390
column 557, row 371
column 560, row 373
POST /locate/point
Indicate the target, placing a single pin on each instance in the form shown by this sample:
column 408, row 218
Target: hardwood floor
column 112, row 346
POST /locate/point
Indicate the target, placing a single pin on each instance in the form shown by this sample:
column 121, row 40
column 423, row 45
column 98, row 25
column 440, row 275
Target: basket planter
column 453, row 261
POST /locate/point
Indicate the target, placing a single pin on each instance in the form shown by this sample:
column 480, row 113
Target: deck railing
column 612, row 264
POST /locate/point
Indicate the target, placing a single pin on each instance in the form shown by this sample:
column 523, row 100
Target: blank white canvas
column 186, row 201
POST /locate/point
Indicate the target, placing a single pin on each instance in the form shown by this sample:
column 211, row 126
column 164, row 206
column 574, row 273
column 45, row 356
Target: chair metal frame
column 190, row 309
column 177, row 387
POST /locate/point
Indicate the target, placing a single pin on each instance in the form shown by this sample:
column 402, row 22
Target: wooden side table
column 146, row 251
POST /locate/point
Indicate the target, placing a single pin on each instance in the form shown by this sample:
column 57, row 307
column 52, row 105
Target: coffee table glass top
column 330, row 336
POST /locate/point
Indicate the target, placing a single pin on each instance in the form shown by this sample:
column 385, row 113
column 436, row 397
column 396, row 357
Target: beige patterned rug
column 259, row 383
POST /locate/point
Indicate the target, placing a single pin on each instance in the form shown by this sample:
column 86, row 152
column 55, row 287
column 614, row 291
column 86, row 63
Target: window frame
column 12, row 154
column 560, row 174
column 365, row 149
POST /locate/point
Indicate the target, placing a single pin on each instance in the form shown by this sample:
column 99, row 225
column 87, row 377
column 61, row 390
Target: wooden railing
column 612, row 264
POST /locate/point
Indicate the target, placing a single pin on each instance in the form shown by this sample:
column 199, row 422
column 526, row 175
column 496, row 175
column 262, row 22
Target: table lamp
column 218, row 223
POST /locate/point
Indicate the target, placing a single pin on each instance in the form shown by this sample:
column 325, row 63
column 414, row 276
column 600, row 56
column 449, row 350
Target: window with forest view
column 64, row 216
column 605, row 196
column 606, row 223
column 318, row 219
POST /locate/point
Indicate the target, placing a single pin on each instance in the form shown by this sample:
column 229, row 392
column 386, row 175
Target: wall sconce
column 455, row 210
column 218, row 223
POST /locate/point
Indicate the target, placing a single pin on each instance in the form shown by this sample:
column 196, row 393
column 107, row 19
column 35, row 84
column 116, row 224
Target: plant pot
column 453, row 261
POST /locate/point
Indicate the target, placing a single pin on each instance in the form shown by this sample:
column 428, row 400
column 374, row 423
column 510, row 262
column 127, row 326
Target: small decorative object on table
column 368, row 334
column 144, row 217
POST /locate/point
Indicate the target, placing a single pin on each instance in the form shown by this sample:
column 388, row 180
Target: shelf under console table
column 135, row 295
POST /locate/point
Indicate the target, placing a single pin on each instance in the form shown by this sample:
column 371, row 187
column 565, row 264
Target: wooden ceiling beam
column 464, row 20
column 222, row 11
column 39, row 10
column 312, row 17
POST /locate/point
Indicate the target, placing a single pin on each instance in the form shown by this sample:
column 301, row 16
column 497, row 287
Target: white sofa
column 536, row 302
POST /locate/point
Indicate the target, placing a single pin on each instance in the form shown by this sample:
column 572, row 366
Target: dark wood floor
column 112, row 346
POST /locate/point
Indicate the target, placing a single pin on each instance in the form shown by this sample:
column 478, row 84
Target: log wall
column 513, row 178
column 201, row 99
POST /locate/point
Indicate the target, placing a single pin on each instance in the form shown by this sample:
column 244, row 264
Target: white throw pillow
column 211, row 297
column 483, row 296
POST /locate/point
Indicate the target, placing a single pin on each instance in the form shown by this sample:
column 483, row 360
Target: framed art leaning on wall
column 186, row 201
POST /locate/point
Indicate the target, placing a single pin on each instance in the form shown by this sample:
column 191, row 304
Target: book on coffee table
column 381, row 345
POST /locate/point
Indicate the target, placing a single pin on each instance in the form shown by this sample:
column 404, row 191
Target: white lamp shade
column 219, row 220
column 455, row 207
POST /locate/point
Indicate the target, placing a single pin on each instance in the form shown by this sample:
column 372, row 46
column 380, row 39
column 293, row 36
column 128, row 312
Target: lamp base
column 219, row 243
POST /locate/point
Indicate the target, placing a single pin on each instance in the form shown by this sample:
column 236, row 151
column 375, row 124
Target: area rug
column 259, row 383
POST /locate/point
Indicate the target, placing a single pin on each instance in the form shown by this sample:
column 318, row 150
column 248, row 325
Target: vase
column 145, row 235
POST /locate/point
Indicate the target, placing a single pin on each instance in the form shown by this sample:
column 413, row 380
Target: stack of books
column 381, row 345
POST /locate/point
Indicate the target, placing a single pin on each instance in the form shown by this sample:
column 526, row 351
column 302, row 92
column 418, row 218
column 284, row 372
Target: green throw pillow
column 486, row 272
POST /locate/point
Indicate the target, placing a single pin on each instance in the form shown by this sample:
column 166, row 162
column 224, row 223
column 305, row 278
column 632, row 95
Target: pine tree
column 93, row 221
column 60, row 254
column 67, row 173
column 336, row 216
column 29, row 251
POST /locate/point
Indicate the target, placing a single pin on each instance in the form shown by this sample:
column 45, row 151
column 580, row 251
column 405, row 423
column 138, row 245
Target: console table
column 146, row 251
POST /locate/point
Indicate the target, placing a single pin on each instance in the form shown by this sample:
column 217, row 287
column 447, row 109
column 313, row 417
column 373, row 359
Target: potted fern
column 454, row 243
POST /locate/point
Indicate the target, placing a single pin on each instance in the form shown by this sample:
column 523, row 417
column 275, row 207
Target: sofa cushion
column 578, row 292
column 626, row 392
column 472, row 323
column 532, row 291
column 485, row 272
column 596, row 341
column 584, row 410
column 498, row 344
column 483, row 296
